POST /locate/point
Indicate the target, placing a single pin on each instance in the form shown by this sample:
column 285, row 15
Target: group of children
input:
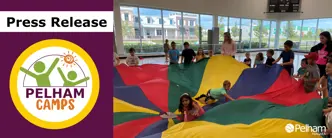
column 287, row 56
column 190, row 110
column 187, row 56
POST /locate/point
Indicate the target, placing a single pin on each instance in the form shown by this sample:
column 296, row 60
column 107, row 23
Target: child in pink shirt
column 190, row 110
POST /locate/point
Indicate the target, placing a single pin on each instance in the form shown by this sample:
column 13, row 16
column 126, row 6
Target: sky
column 207, row 20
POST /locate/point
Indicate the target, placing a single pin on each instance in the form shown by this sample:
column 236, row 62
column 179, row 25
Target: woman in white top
column 228, row 48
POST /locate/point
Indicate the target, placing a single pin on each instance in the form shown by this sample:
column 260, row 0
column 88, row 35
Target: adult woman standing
column 324, row 48
column 228, row 47
column 166, row 49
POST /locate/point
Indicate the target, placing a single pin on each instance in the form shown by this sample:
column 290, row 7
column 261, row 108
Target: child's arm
column 323, row 83
column 197, row 109
column 276, row 61
column 228, row 97
column 185, row 117
column 127, row 61
column 327, row 110
column 288, row 63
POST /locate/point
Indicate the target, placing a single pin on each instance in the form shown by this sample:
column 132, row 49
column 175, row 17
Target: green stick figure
column 71, row 76
column 43, row 79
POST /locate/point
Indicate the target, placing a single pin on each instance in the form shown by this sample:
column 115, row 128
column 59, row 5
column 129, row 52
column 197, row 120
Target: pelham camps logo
column 54, row 84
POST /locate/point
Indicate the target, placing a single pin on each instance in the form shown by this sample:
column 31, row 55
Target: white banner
column 56, row 21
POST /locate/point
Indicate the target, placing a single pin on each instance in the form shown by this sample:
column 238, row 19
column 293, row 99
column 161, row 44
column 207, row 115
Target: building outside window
column 159, row 32
column 126, row 15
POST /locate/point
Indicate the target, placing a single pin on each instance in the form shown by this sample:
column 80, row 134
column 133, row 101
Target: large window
column 255, row 34
column 131, row 31
column 234, row 26
column 283, row 33
column 206, row 24
column 273, row 34
column 223, row 25
column 308, row 34
column 324, row 25
column 146, row 29
column 265, row 33
column 151, row 41
column 294, row 32
column 245, row 33
column 172, row 29
column 191, row 27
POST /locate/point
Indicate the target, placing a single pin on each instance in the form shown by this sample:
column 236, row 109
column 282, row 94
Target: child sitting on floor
column 132, row 59
column 301, row 71
column 189, row 109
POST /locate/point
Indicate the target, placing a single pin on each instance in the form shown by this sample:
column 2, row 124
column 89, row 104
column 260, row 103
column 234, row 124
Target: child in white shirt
column 132, row 59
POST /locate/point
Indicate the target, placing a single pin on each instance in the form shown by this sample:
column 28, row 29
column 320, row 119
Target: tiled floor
column 239, row 57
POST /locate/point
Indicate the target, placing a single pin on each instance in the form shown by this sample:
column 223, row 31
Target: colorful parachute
column 268, row 100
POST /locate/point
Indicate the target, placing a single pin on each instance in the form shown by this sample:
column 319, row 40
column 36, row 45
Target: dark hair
column 190, row 106
column 172, row 43
column 271, row 51
column 131, row 50
column 327, row 35
column 185, row 43
column 329, row 61
column 230, row 38
column 200, row 48
column 166, row 40
column 289, row 43
column 260, row 55
column 304, row 60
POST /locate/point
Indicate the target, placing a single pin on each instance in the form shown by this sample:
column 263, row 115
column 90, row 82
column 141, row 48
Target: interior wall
column 253, row 9
column 310, row 9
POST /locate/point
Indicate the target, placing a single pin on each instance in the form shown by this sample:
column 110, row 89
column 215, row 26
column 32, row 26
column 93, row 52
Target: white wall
column 311, row 9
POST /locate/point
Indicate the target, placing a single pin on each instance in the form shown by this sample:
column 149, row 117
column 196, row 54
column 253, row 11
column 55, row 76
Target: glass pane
column 222, row 24
column 308, row 34
column 294, row 32
column 283, row 34
column 245, row 27
column 234, row 26
column 273, row 34
column 324, row 25
column 191, row 27
column 151, row 30
column 130, row 28
column 255, row 35
column 206, row 24
column 265, row 34
column 172, row 27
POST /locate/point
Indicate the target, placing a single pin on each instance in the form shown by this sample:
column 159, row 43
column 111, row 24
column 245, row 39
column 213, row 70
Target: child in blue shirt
column 287, row 56
column 174, row 54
